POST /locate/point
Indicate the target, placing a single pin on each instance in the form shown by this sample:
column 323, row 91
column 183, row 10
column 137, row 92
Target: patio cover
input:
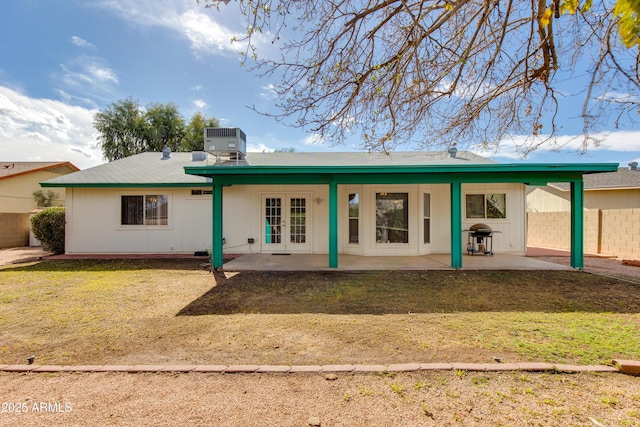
column 232, row 173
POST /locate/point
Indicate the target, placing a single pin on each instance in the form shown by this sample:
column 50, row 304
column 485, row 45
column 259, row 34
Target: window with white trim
column 150, row 209
column 486, row 206
column 426, row 218
column 392, row 218
column 354, row 218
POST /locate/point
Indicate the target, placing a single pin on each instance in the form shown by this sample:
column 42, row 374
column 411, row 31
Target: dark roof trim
column 43, row 169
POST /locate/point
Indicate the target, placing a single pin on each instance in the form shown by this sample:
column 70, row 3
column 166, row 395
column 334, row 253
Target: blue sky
column 62, row 61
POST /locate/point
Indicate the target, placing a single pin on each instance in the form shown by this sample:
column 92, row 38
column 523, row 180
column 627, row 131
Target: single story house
column 611, row 215
column 18, row 182
column 619, row 189
column 402, row 203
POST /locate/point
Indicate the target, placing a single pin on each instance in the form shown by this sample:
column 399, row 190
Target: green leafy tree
column 165, row 126
column 472, row 71
column 45, row 199
column 194, row 134
column 126, row 128
column 48, row 226
column 122, row 129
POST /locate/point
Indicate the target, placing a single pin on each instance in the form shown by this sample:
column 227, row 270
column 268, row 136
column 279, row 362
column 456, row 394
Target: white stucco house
column 403, row 203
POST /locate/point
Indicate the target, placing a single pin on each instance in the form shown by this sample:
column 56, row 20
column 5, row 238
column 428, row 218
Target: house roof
column 145, row 169
column 148, row 169
column 622, row 179
column 13, row 169
column 181, row 170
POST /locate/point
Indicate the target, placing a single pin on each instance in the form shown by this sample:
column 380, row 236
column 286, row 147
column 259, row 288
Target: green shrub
column 48, row 227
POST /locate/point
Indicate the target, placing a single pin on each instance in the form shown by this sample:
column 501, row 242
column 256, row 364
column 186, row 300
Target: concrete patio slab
column 314, row 262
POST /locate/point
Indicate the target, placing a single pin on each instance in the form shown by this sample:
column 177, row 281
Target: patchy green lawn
column 160, row 311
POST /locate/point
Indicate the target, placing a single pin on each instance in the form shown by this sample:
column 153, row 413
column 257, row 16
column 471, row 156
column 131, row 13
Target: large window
column 145, row 210
column 354, row 218
column 392, row 218
column 486, row 206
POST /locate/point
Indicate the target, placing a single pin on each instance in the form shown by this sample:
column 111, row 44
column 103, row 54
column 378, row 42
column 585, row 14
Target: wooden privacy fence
column 613, row 232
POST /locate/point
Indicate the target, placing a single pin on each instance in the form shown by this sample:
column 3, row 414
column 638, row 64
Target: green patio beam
column 577, row 224
column 456, row 225
column 333, row 225
column 217, row 234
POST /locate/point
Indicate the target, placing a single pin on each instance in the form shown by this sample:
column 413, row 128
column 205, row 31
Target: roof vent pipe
column 453, row 151
column 633, row 166
column 166, row 153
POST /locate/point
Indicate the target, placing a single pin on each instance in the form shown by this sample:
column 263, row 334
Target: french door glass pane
column 273, row 220
column 298, row 220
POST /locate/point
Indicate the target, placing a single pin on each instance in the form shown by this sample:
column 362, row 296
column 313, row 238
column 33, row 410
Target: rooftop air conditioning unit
column 230, row 142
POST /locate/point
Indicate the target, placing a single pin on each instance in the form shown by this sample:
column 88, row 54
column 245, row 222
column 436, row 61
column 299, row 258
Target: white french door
column 285, row 223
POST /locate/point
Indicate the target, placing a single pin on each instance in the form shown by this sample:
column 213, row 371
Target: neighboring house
column 18, row 182
column 612, row 213
column 411, row 203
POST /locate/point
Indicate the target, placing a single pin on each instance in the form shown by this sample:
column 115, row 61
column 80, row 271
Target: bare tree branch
column 467, row 71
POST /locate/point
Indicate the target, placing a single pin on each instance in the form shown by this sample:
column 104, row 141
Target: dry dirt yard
column 437, row 398
column 442, row 398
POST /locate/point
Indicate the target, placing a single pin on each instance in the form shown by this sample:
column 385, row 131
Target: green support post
column 577, row 224
column 456, row 225
column 216, row 243
column 333, row 225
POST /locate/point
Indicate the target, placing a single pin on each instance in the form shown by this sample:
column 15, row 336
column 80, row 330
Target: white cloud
column 201, row 26
column 200, row 104
column 258, row 148
column 603, row 147
column 46, row 130
column 80, row 42
column 313, row 139
column 269, row 92
column 87, row 77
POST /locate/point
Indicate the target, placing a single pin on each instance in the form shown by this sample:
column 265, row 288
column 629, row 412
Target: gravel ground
column 409, row 399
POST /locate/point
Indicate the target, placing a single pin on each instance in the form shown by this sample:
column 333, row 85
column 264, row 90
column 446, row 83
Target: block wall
column 613, row 232
column 14, row 230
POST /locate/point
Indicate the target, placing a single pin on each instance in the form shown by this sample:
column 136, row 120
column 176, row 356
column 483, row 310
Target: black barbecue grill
column 480, row 239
